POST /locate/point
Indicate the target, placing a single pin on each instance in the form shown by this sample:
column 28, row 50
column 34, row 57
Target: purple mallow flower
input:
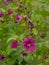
column 14, row 44
column 5, row 3
column 46, row 57
column 1, row 13
column 9, row 0
column 42, row 36
column 1, row 57
column 29, row 44
column 24, row 54
column 15, row 21
column 10, row 12
column 25, row 17
column 19, row 17
column 31, row 25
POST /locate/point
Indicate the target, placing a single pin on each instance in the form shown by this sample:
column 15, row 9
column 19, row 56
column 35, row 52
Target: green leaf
column 34, row 30
column 12, row 38
column 23, row 62
column 16, row 62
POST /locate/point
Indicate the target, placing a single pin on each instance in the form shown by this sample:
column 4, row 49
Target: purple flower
column 5, row 3
column 25, row 17
column 29, row 44
column 1, row 57
column 15, row 21
column 46, row 57
column 19, row 17
column 31, row 25
column 14, row 44
column 9, row 0
column 24, row 54
column 10, row 12
column 1, row 13
column 42, row 36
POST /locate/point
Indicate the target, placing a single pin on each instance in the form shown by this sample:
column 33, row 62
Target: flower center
column 29, row 44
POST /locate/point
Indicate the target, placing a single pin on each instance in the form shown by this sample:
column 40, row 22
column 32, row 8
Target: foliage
column 35, row 11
